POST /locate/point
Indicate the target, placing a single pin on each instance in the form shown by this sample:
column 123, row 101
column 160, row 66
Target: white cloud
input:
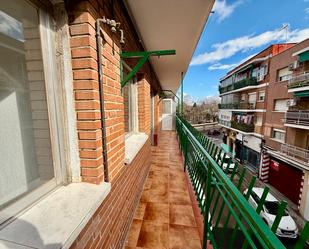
column 224, row 10
column 219, row 66
column 307, row 10
column 229, row 48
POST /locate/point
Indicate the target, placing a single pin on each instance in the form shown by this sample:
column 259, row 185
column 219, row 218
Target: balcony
column 190, row 202
column 241, row 105
column 294, row 152
column 225, row 123
column 238, row 85
column 242, row 126
column 298, row 81
column 297, row 118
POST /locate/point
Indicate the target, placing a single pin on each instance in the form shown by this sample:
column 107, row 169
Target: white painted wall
column 251, row 142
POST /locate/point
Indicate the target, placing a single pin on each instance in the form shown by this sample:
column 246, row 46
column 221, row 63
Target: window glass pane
column 261, row 96
column 279, row 135
column 25, row 148
column 167, row 106
column 281, row 105
column 284, row 74
column 252, row 97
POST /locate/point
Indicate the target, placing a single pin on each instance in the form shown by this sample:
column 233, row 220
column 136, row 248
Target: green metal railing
column 229, row 220
column 239, row 84
column 242, row 126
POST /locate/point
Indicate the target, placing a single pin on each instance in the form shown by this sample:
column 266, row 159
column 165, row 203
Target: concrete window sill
column 55, row 221
column 133, row 144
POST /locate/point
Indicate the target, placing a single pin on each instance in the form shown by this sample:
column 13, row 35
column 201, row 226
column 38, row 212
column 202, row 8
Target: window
column 284, row 74
column 251, row 158
column 258, row 121
column 243, row 97
column 130, row 94
column 281, row 105
column 252, row 97
column 278, row 135
column 167, row 106
column 27, row 166
column 261, row 96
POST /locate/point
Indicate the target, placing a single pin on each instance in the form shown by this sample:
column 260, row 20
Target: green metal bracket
column 144, row 57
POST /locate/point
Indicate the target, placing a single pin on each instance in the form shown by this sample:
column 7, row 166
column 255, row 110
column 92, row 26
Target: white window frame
column 47, row 37
column 259, row 95
column 133, row 107
column 252, row 94
column 284, row 77
column 286, row 105
column 257, row 123
column 280, row 131
column 171, row 106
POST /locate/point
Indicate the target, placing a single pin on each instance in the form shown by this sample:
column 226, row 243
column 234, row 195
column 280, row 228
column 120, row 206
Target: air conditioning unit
column 291, row 102
column 294, row 65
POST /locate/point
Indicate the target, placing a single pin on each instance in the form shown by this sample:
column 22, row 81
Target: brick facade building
column 275, row 143
column 286, row 129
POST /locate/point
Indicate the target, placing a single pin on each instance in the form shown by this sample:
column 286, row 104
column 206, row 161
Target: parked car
column 287, row 227
column 224, row 162
column 213, row 132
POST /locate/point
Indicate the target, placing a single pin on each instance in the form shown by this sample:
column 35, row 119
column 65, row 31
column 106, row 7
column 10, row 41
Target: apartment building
column 79, row 106
column 243, row 105
column 286, row 129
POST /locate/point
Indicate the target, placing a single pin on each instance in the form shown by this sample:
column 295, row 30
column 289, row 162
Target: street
column 222, row 234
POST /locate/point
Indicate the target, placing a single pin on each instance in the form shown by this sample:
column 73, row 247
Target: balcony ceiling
column 170, row 24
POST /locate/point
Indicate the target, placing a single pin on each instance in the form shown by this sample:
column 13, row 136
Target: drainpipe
column 101, row 94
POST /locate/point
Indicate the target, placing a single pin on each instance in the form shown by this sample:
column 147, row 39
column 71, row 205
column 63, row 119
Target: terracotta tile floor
column 164, row 218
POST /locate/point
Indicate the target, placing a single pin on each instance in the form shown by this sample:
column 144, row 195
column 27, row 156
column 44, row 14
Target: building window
column 167, row 106
column 278, row 135
column 281, row 105
column 130, row 95
column 259, row 120
column 252, row 97
column 261, row 96
column 251, row 157
column 284, row 74
column 27, row 166
column 243, row 97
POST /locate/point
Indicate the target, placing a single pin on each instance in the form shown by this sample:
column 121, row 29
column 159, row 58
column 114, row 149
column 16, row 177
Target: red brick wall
column 110, row 224
column 82, row 16
column 278, row 90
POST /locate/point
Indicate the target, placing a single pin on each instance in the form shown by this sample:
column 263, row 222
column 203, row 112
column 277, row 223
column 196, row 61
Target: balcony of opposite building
column 299, row 82
column 297, row 119
column 296, row 153
column 239, row 106
column 251, row 81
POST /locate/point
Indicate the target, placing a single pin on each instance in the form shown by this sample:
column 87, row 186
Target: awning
column 172, row 24
column 304, row 56
column 302, row 94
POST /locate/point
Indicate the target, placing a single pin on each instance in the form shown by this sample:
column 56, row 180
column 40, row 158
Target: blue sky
column 237, row 30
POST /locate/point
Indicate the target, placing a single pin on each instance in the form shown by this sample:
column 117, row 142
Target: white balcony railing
column 300, row 117
column 299, row 80
column 295, row 152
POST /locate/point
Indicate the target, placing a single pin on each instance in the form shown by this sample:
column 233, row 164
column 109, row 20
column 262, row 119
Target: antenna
column 286, row 27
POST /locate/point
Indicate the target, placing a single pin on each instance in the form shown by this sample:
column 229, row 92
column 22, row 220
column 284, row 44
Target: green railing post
column 207, row 207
